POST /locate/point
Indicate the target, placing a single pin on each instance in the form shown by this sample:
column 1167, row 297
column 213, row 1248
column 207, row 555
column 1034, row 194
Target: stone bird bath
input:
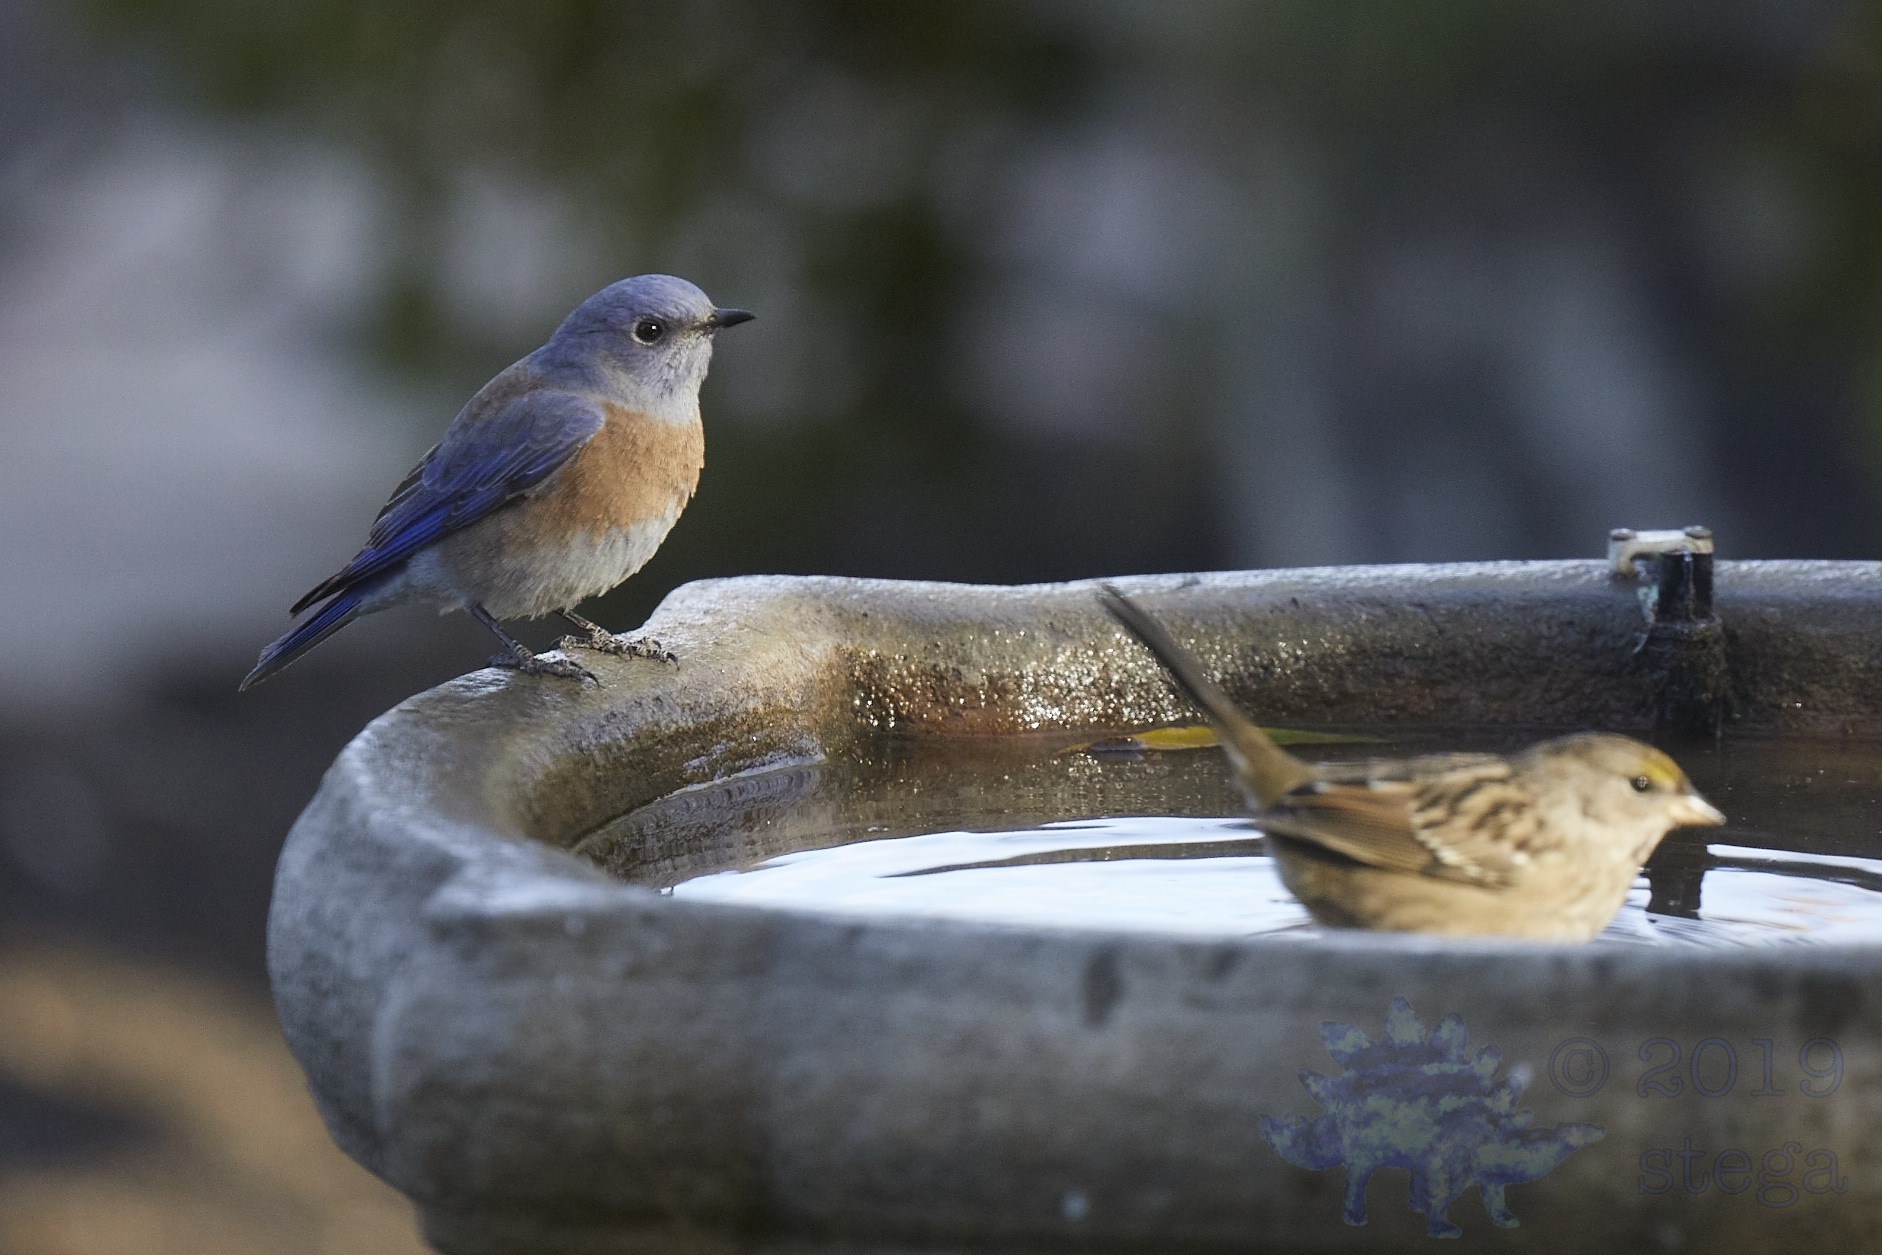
column 549, row 1059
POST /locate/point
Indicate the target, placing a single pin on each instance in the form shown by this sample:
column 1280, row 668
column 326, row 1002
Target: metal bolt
column 1621, row 533
column 1699, row 533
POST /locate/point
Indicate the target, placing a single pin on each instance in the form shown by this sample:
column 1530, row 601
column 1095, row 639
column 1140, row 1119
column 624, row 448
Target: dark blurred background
column 1046, row 290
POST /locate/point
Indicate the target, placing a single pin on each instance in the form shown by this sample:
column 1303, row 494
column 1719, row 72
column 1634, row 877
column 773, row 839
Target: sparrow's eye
column 648, row 330
column 1641, row 784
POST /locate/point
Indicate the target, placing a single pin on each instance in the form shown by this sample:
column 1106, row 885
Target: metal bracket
column 1683, row 645
column 1628, row 548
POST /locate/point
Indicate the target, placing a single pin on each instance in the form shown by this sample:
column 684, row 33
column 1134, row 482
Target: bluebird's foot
column 517, row 656
column 621, row 647
column 535, row 664
column 603, row 641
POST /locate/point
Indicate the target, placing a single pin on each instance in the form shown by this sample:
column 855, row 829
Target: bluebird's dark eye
column 1642, row 784
column 648, row 330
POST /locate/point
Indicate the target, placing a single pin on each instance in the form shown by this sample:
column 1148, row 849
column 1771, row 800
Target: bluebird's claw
column 535, row 664
column 603, row 641
column 519, row 658
column 621, row 647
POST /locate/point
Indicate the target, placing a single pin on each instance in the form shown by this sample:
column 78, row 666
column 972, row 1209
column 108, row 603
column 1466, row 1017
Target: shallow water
column 1027, row 832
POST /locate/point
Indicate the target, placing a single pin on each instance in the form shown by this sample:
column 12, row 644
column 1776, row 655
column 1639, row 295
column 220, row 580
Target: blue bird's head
column 650, row 337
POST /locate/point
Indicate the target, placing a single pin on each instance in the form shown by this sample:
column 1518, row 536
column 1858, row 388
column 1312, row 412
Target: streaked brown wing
column 1463, row 819
column 1481, row 825
column 1369, row 823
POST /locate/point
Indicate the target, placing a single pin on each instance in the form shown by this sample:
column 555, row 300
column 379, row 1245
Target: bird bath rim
column 546, row 1058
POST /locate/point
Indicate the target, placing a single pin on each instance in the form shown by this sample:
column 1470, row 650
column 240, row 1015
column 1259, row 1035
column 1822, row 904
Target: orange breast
column 636, row 468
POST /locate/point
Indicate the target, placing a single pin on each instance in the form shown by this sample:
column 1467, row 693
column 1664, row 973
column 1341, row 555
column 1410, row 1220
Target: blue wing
column 483, row 462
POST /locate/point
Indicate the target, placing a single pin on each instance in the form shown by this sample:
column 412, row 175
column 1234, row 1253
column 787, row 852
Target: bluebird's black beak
column 728, row 318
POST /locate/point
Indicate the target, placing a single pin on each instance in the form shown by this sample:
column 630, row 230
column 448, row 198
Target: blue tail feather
column 329, row 619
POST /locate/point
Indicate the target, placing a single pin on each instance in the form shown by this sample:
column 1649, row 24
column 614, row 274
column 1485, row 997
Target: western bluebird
column 557, row 481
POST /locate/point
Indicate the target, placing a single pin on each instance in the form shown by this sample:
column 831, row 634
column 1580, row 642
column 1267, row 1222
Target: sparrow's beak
column 1689, row 810
column 728, row 318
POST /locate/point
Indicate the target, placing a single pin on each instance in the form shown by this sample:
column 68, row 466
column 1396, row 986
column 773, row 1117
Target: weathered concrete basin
column 548, row 1060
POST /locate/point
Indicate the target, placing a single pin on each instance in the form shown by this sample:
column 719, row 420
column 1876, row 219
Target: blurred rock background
column 1046, row 290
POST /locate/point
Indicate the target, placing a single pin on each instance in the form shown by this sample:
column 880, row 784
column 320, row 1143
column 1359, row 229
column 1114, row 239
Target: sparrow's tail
column 1266, row 769
column 303, row 636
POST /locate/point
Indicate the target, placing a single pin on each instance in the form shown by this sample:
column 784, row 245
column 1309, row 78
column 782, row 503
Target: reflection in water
column 1139, row 873
column 1023, row 833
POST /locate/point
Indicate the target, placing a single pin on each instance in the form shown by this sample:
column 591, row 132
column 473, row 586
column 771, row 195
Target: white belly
column 522, row 582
